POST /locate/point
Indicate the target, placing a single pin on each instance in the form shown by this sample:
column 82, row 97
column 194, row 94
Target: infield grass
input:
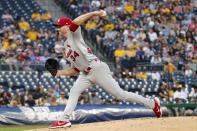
column 22, row 127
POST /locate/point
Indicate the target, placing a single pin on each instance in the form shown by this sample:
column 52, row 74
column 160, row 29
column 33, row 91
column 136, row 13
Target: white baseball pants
column 100, row 75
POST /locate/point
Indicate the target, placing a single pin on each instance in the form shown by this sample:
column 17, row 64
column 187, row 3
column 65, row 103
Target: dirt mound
column 140, row 124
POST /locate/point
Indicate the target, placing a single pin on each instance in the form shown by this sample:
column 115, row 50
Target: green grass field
column 22, row 127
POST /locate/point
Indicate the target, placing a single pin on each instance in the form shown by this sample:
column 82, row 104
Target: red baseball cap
column 63, row 21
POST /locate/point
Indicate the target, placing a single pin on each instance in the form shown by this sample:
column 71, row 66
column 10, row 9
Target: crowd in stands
column 154, row 31
column 28, row 41
column 52, row 96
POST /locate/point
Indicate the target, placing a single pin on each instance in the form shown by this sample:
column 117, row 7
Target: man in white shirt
column 181, row 94
column 62, row 100
column 152, row 35
column 155, row 59
column 188, row 71
column 155, row 75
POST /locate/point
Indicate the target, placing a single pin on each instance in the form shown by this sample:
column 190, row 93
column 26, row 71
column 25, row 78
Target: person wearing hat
column 91, row 70
column 181, row 94
column 22, row 96
column 10, row 43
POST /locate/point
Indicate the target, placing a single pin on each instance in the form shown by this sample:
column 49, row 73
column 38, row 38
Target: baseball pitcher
column 91, row 70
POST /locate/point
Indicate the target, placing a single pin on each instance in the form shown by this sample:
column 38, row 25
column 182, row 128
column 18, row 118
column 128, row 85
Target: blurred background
column 150, row 46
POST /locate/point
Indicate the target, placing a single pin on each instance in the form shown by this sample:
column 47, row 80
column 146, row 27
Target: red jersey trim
column 77, row 70
column 73, row 27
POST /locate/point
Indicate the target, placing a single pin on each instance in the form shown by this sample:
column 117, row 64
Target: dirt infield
column 140, row 124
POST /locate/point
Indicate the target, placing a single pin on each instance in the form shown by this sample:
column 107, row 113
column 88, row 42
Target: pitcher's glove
column 52, row 66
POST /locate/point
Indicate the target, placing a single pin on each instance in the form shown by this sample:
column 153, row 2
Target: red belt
column 89, row 68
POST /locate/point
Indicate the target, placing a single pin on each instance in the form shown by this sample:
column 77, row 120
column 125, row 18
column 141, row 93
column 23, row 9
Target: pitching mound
column 140, row 124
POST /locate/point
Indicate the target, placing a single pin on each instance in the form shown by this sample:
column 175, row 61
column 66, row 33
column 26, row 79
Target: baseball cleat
column 157, row 108
column 60, row 124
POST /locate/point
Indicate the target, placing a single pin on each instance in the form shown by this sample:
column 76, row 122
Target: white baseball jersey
column 77, row 52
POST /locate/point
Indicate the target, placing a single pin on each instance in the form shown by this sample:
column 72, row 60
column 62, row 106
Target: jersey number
column 72, row 54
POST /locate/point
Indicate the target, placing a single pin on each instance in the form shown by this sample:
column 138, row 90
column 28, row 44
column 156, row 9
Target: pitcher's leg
column 107, row 82
column 79, row 86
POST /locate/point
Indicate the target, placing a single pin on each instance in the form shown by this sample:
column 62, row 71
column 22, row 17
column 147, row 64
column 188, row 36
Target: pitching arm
column 81, row 19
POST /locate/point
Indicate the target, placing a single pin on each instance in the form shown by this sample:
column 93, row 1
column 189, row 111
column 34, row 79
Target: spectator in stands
column 169, row 68
column 188, row 71
column 39, row 92
column 119, row 53
column 62, row 99
column 23, row 25
column 37, row 57
column 134, row 73
column 15, row 101
column 193, row 95
column 53, row 101
column 181, row 94
column 156, row 59
column 152, row 35
column 4, row 99
column 99, row 35
column 131, row 52
column 56, row 91
column 142, row 75
column 110, row 33
column 167, row 58
column 30, row 101
column 155, row 75
column 32, row 34
column 26, row 64
column 118, row 73
column 90, row 25
column 140, row 54
column 162, row 91
column 32, row 57
column 134, row 45
column 84, row 99
column 42, row 101
column 126, row 74
column 12, row 62
column 94, row 99
column 129, row 7
column 44, row 57
column 141, row 35
column 6, row 16
column 97, row 3
column 85, row 7
column 50, row 92
column 9, row 44
column 21, row 96
column 46, row 15
column 178, row 60
column 36, row 16
column 53, row 56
